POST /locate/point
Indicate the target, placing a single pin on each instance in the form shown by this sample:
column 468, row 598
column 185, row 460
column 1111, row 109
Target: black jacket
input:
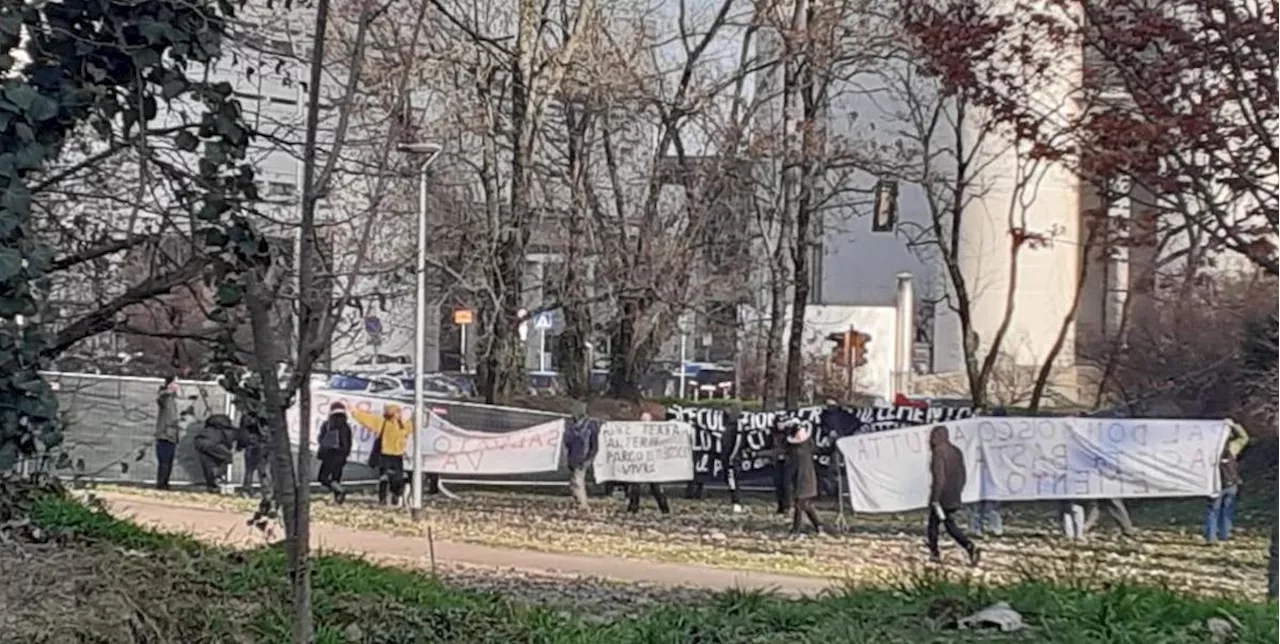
column 335, row 435
column 217, row 430
column 946, row 463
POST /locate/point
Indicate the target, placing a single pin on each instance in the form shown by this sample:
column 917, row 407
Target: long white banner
column 644, row 452
column 447, row 448
column 1033, row 459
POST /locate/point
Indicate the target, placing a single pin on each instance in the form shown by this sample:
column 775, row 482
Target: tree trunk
column 571, row 354
column 777, row 321
column 1274, row 562
column 1046, row 368
column 624, row 376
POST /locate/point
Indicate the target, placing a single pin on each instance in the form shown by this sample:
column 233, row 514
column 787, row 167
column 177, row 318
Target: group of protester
column 795, row 475
column 217, row 439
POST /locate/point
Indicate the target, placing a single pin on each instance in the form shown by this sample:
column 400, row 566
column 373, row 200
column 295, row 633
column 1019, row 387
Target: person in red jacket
column 946, row 466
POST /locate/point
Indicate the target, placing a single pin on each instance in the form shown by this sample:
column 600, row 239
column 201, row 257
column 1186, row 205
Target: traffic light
column 884, row 216
column 850, row 346
column 840, row 354
column 859, row 341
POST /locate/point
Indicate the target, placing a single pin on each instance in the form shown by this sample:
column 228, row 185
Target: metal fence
column 110, row 421
column 110, row 428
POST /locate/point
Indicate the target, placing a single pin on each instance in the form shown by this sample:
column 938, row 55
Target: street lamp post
column 428, row 152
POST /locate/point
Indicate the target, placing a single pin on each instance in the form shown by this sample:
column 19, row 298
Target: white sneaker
column 737, row 508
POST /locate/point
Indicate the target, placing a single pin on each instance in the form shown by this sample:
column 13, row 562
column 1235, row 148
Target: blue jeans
column 1219, row 513
column 986, row 516
column 165, row 452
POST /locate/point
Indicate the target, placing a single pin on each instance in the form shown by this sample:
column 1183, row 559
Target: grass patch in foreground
column 224, row 596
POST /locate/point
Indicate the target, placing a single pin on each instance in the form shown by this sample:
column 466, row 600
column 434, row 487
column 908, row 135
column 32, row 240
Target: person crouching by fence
column 633, row 489
column 801, row 473
column 334, row 448
column 391, row 439
column 580, row 446
column 214, row 442
column 947, row 474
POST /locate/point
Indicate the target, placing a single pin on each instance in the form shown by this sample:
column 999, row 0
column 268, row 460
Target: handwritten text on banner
column 644, row 452
column 1029, row 459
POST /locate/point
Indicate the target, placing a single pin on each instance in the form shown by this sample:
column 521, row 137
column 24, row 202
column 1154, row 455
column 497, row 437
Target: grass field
column 875, row 549
column 79, row 575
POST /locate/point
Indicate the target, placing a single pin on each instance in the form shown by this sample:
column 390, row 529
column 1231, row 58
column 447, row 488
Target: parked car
column 381, row 363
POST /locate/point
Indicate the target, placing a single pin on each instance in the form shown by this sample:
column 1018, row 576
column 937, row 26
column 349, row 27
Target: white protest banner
column 644, row 452
column 1035, row 459
column 449, row 449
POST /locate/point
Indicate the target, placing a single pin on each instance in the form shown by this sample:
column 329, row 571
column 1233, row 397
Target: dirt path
column 229, row 528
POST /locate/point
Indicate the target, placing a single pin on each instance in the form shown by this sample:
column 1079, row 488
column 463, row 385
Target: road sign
column 373, row 325
column 543, row 322
column 463, row 317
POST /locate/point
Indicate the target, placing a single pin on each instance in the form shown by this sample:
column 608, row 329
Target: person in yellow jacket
column 388, row 454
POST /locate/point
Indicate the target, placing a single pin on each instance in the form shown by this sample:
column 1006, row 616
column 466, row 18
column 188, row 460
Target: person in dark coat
column 334, row 449
column 655, row 489
column 781, row 479
column 214, row 442
column 801, row 473
column 168, row 429
column 731, row 453
column 946, row 467
column 580, row 436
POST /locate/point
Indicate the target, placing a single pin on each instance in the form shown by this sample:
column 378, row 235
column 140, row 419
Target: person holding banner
column 633, row 489
column 391, row 439
column 580, row 436
column 947, row 471
column 986, row 516
column 1221, row 509
column 782, row 488
column 801, row 473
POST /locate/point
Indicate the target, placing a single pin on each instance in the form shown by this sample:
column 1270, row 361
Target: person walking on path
column 334, row 447
column 580, row 435
column 1221, row 509
column 946, row 467
column 168, row 430
column 392, row 438
column 655, row 489
column 801, row 474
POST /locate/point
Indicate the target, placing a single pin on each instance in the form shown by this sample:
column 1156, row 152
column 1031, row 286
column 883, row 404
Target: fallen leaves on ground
column 879, row 549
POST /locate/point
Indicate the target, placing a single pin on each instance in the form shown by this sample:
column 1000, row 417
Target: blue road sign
column 373, row 325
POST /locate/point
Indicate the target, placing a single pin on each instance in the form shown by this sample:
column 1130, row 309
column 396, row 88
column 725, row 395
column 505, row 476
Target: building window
column 280, row 189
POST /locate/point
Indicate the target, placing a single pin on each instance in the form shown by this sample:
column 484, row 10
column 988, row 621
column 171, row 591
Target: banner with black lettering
column 1038, row 459
column 644, row 452
column 750, row 443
